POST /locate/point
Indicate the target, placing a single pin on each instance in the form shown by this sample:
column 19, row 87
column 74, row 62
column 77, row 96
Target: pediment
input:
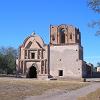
column 33, row 45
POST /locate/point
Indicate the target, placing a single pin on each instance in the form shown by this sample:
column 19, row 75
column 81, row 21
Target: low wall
column 96, row 75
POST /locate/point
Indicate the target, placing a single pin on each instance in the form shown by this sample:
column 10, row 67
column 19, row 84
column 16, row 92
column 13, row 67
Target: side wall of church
column 65, row 60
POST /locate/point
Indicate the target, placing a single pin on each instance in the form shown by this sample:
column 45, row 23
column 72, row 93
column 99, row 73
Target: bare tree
column 95, row 6
column 98, row 64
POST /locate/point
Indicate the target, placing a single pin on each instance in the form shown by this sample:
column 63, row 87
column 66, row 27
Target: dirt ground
column 78, row 94
column 19, row 88
column 91, row 96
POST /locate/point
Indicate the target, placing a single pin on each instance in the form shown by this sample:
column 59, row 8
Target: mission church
column 61, row 58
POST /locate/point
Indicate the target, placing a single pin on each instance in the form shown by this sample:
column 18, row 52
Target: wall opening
column 71, row 36
column 62, row 36
column 32, row 55
column 53, row 37
column 60, row 72
column 32, row 73
column 29, row 44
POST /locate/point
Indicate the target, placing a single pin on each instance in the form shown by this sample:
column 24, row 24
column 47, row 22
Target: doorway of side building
column 32, row 73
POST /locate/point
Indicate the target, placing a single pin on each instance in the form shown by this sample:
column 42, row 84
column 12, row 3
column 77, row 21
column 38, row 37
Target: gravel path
column 66, row 95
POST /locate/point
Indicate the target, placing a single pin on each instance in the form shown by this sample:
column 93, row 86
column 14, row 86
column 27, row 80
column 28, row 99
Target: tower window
column 53, row 37
column 60, row 72
column 62, row 36
column 32, row 55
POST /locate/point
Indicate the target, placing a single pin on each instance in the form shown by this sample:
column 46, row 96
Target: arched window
column 62, row 35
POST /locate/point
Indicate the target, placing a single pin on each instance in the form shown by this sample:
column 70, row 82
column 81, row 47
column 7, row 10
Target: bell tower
column 64, row 35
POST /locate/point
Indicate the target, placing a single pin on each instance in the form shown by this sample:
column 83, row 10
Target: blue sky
column 19, row 18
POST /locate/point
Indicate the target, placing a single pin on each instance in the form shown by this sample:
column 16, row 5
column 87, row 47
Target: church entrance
column 32, row 73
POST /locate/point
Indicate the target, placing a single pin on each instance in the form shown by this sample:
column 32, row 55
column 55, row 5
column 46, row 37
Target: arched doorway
column 32, row 72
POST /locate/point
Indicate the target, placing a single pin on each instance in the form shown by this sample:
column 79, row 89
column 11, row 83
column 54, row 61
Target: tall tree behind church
column 7, row 60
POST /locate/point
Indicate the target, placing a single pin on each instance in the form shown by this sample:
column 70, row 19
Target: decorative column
column 37, row 54
column 45, row 65
column 58, row 37
column 42, row 68
column 23, row 67
column 27, row 54
column 20, row 65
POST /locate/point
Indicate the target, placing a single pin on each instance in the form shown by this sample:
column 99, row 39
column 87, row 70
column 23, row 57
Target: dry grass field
column 17, row 89
column 92, row 96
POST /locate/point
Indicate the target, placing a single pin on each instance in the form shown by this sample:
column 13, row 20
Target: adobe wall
column 65, row 58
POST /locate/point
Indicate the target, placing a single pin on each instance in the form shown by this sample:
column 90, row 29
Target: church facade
column 61, row 58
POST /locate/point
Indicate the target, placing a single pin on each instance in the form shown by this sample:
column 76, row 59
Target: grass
column 17, row 89
column 92, row 96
